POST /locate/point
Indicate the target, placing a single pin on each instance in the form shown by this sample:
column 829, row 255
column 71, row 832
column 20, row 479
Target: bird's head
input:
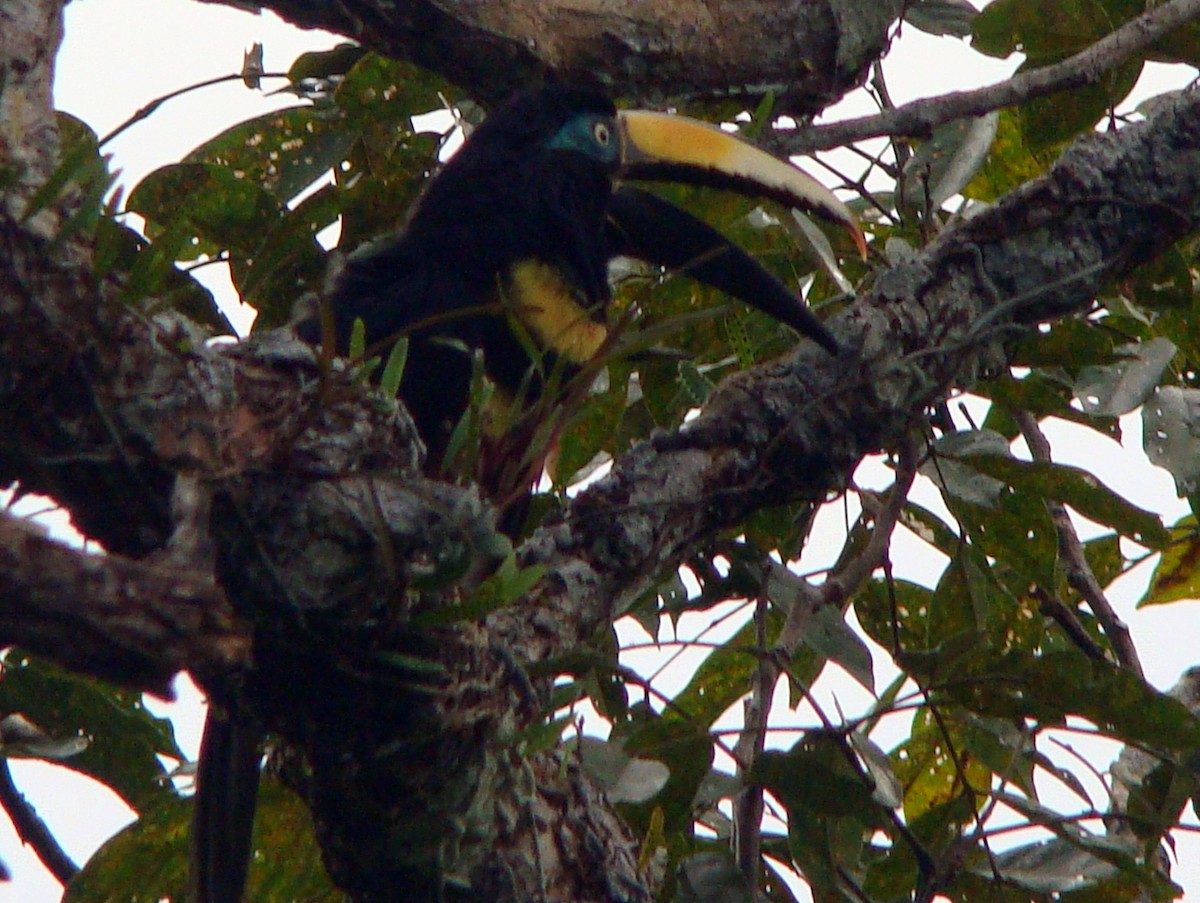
column 641, row 144
column 594, row 134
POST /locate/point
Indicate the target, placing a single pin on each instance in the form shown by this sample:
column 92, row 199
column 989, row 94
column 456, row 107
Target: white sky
column 121, row 54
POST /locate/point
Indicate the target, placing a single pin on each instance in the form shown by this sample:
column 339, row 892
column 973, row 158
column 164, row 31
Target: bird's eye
column 601, row 132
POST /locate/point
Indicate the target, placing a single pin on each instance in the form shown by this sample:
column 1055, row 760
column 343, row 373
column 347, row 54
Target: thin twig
column 845, row 579
column 32, row 830
column 748, row 803
column 1080, row 575
column 149, row 109
column 1061, row 613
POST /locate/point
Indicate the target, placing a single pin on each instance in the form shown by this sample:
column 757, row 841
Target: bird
column 506, row 257
column 518, row 230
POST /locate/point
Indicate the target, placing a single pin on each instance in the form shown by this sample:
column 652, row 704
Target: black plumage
column 505, row 197
column 519, row 227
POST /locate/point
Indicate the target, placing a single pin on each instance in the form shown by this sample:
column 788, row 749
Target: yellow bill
column 663, row 146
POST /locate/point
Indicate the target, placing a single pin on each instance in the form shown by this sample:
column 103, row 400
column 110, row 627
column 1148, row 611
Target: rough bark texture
column 249, row 470
column 810, row 52
column 141, row 623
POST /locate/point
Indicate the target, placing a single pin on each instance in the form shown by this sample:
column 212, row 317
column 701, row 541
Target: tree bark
column 248, row 469
column 809, row 52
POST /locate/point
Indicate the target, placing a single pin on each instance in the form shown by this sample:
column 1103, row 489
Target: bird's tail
column 223, row 817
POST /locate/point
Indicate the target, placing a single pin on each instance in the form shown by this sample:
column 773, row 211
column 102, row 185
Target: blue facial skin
column 589, row 134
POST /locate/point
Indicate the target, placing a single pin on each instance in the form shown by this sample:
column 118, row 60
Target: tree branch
column 133, row 623
column 796, row 428
column 632, row 48
column 1080, row 575
column 32, row 830
column 919, row 118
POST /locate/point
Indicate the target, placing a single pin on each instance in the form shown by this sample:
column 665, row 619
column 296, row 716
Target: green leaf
column 724, row 675
column 1082, row 491
column 1011, row 161
column 510, row 583
column 383, row 90
column 195, row 209
column 144, row 863
column 1018, row 533
column 1065, row 346
column 1181, row 45
column 684, row 747
column 1105, row 558
column 1050, row 686
column 393, row 370
column 358, row 340
column 379, row 187
column 954, row 474
column 624, row 778
column 1120, row 387
column 828, row 634
column 930, row 774
column 506, row 586
column 1046, row 33
column 283, row 152
column 1171, row 435
column 147, row 861
column 941, row 17
column 126, row 740
column 815, row 776
column 154, row 284
column 1041, row 393
column 885, row 622
column 1042, row 29
column 289, row 261
column 695, row 387
column 930, row 528
column 218, row 209
column 1047, row 122
column 1176, row 577
column 888, row 791
column 811, row 848
column 945, row 164
column 1003, row 748
column 1163, row 283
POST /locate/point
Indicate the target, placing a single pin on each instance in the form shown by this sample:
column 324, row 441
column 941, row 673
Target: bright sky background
column 121, row 54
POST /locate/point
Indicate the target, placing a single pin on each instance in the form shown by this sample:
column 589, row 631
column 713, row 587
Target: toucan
column 506, row 256
column 510, row 246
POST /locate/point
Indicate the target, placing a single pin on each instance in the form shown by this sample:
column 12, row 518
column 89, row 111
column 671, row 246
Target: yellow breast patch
column 549, row 309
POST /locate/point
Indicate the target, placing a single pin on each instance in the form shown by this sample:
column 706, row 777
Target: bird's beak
column 679, row 149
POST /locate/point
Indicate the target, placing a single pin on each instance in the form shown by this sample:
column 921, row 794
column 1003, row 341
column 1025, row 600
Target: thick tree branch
column 133, row 623
column 809, row 51
column 797, row 427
